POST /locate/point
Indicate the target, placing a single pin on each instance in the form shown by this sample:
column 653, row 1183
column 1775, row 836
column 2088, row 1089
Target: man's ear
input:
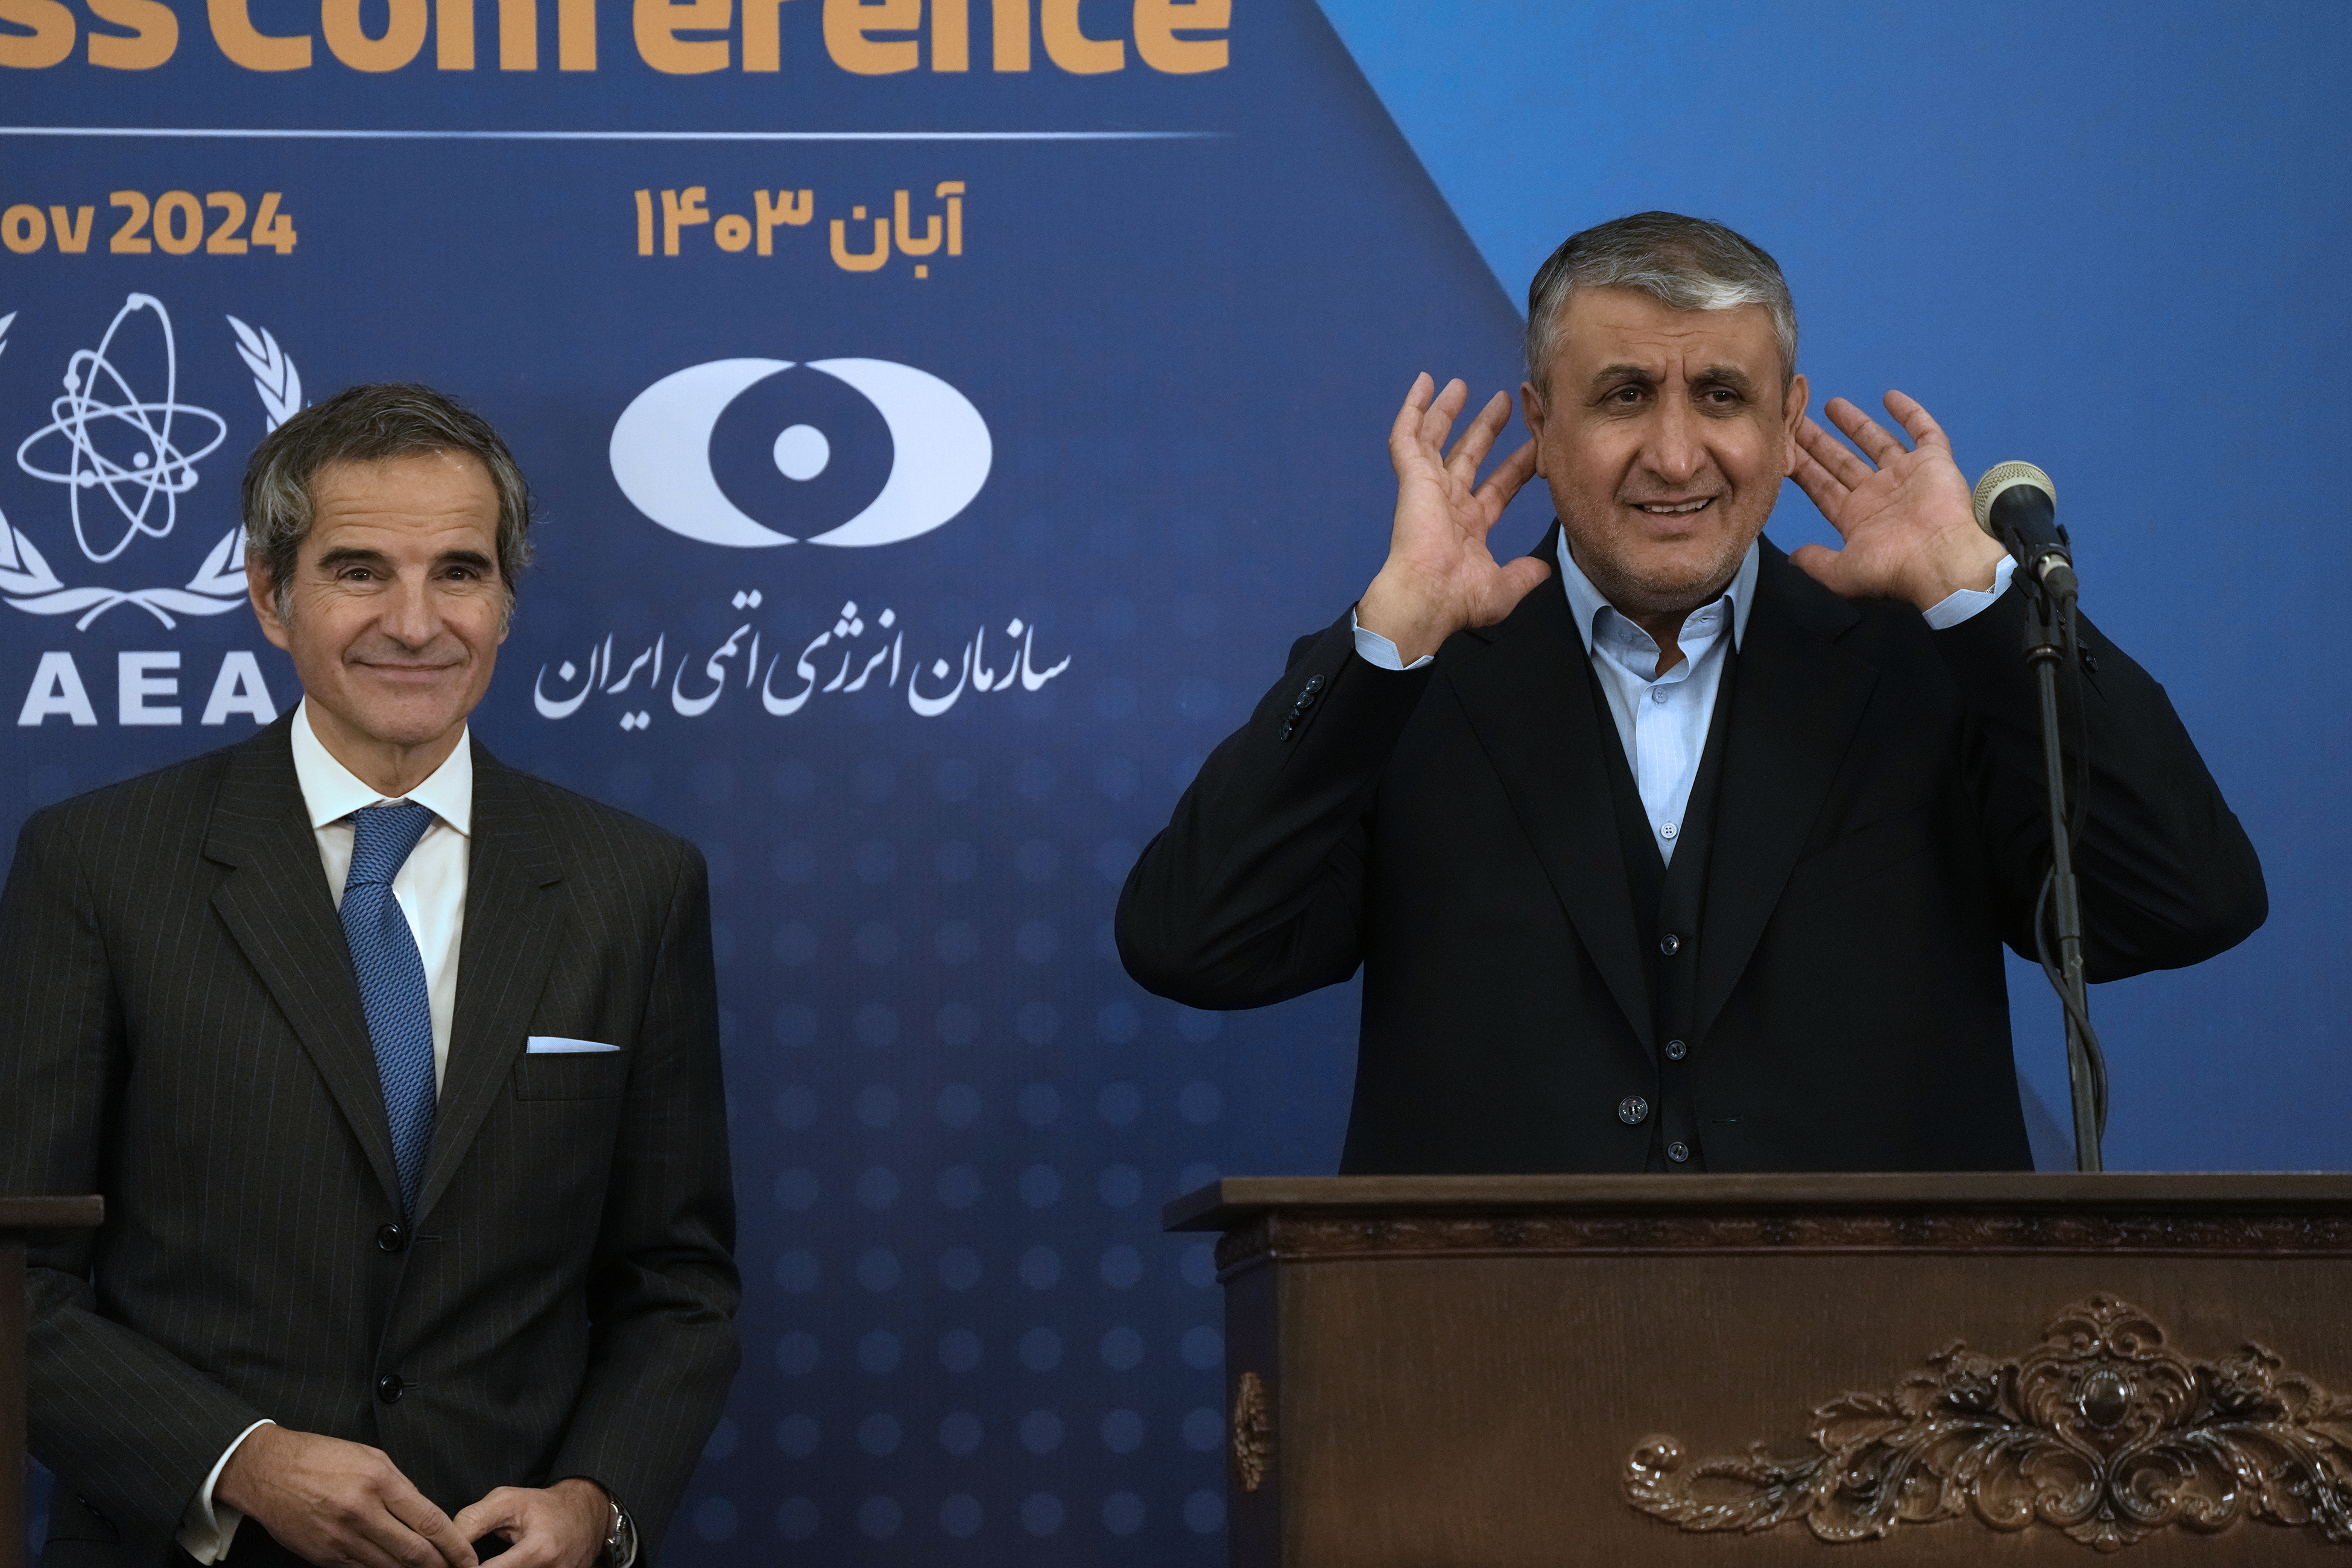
column 261, row 588
column 1793, row 417
column 1531, row 409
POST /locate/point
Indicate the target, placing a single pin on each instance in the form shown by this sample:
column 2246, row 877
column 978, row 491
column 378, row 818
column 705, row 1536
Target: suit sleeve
column 663, row 1288
column 1254, row 892
column 2168, row 876
column 135, row 1427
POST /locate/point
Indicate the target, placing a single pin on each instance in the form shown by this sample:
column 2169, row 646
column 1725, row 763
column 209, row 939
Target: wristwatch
column 620, row 1539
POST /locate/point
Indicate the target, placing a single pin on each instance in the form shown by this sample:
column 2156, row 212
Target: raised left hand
column 1441, row 576
column 1904, row 515
column 561, row 1526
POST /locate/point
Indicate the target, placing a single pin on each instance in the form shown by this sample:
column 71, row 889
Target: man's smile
column 1674, row 508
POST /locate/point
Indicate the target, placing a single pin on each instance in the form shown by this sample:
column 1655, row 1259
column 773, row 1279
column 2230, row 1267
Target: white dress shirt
column 1662, row 720
column 430, row 889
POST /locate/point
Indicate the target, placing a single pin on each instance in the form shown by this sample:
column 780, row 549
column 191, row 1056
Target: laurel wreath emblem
column 29, row 583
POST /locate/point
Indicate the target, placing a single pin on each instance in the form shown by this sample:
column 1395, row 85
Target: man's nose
column 1675, row 451
column 409, row 614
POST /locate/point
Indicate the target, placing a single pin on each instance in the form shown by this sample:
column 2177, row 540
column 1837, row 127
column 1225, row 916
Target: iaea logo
column 124, row 445
column 661, row 452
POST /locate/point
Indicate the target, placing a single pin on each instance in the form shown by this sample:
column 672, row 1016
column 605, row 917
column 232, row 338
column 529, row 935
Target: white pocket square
column 557, row 1045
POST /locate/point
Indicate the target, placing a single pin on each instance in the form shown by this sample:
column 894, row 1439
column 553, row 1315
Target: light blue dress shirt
column 1662, row 720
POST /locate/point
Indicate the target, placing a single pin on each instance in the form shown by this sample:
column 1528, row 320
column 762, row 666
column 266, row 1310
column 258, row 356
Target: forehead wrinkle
column 1636, row 324
column 401, row 524
column 377, row 513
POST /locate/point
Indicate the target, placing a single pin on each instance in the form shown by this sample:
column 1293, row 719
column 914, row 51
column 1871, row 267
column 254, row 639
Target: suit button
column 1670, row 944
column 1678, row 1152
column 1632, row 1111
column 1314, row 683
column 1676, row 1050
column 391, row 1239
column 389, row 1388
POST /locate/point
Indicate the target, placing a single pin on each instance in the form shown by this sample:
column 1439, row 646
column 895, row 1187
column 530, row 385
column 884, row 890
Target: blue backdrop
column 1123, row 442
column 2102, row 237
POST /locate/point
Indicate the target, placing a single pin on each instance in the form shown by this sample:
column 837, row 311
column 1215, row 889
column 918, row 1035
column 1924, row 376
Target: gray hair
column 366, row 425
column 1684, row 263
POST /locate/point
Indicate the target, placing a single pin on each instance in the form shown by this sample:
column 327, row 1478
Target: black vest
column 1669, row 900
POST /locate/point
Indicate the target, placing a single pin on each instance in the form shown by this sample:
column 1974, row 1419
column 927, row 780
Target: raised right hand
column 338, row 1504
column 1440, row 576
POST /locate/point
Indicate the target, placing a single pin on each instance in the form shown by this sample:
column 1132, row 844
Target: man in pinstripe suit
column 398, row 1070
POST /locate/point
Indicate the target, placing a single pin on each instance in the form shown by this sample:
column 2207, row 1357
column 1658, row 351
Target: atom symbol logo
column 102, row 435
column 100, row 415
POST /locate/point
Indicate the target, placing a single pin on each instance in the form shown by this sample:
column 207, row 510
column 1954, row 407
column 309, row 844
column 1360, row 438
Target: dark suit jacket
column 180, row 1030
column 1879, row 832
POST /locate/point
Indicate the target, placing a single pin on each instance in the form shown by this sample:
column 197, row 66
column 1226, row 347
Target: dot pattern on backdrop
column 968, row 1338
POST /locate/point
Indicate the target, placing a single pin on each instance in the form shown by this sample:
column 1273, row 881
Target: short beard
column 1639, row 596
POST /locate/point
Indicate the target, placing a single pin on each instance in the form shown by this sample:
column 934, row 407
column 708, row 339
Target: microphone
column 2017, row 504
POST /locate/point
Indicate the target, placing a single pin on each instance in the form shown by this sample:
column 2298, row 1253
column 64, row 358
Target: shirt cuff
column 1955, row 608
column 205, row 1527
column 1381, row 654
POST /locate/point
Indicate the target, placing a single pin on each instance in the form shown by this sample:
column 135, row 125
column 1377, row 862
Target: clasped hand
column 346, row 1505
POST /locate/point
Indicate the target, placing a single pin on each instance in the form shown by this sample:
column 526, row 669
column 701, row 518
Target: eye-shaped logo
column 661, row 452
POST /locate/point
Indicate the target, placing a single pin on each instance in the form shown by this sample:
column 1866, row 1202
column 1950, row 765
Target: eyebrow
column 352, row 555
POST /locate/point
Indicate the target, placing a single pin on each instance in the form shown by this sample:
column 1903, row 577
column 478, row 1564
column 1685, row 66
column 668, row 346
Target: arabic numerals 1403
column 177, row 223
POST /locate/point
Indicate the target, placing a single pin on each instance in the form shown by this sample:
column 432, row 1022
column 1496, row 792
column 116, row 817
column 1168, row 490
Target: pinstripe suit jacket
column 180, row 1030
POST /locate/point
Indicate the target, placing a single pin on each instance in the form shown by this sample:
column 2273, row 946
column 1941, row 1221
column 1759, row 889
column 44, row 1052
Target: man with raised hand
column 1699, row 857
column 398, row 1070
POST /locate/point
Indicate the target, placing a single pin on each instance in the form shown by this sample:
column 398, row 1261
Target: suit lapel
column 280, row 912
column 1524, row 686
column 1793, row 717
column 509, row 942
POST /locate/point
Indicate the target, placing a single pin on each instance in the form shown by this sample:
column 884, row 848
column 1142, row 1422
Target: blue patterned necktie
column 392, row 981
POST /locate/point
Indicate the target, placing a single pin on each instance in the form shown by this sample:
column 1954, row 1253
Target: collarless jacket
column 183, row 1033
column 1879, row 834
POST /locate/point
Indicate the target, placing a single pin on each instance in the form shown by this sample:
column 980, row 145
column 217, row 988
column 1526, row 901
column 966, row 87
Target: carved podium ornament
column 2102, row 1431
column 1252, row 1431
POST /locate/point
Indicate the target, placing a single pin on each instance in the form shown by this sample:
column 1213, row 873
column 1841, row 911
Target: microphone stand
column 2049, row 605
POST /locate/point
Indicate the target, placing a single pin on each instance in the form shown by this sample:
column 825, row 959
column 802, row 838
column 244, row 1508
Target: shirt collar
column 1585, row 600
column 331, row 792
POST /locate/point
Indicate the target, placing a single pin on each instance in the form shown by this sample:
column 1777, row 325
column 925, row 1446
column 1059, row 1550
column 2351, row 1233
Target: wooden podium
column 1476, row 1371
column 18, row 1216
